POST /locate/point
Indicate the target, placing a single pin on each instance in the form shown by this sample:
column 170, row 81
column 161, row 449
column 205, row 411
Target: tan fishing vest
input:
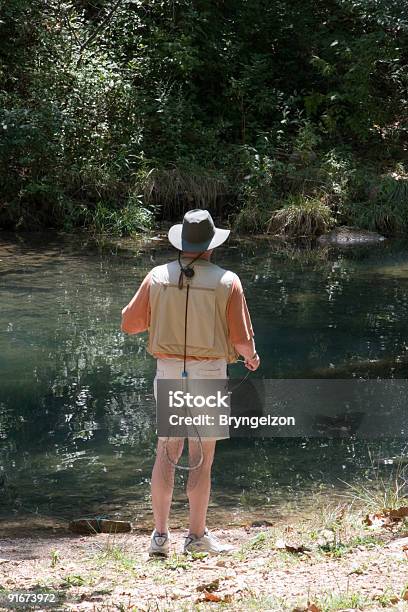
column 207, row 328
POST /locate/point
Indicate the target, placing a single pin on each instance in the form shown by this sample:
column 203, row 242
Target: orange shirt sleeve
column 136, row 315
column 238, row 318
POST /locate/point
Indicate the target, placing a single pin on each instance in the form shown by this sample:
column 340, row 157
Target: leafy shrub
column 337, row 170
column 300, row 217
column 251, row 219
column 130, row 219
column 385, row 208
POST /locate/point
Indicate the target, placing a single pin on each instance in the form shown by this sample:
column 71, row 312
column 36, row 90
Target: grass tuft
column 301, row 217
column 176, row 189
column 381, row 492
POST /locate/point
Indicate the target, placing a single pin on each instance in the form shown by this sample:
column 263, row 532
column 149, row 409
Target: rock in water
column 345, row 235
column 94, row 525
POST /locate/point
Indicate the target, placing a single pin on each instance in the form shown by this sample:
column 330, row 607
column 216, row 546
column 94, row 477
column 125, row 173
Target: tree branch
column 100, row 27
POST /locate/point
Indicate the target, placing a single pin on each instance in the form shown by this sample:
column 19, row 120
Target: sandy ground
column 272, row 568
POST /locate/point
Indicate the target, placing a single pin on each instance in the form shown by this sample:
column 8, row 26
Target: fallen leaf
column 399, row 513
column 280, row 544
column 218, row 598
column 211, row 597
column 388, row 517
column 296, row 548
column 210, row 586
column 261, row 523
column 377, row 520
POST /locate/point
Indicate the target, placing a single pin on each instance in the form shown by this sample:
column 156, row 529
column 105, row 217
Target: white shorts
column 172, row 368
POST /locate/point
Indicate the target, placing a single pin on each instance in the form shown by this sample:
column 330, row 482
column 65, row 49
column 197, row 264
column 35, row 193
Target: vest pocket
column 200, row 317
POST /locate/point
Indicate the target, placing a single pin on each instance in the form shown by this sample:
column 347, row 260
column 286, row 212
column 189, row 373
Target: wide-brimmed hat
column 197, row 232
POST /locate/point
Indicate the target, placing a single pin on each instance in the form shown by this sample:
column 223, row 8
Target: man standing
column 197, row 342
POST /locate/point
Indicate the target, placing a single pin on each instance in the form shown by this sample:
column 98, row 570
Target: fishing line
column 243, row 380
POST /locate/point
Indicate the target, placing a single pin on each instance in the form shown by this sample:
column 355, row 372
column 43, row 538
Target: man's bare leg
column 199, row 484
column 162, row 483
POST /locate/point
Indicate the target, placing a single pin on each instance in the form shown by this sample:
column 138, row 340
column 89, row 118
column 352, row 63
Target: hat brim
column 176, row 240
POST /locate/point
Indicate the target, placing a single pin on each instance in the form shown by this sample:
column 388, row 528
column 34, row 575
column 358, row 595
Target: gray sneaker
column 207, row 543
column 159, row 544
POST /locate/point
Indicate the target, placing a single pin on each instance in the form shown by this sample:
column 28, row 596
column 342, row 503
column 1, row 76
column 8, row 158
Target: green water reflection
column 76, row 404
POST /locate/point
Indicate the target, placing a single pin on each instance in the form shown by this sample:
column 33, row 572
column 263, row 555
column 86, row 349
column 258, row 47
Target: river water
column 76, row 405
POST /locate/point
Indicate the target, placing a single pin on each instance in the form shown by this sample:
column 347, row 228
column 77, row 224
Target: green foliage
column 343, row 601
column 301, row 217
column 55, row 557
column 258, row 188
column 73, row 580
column 232, row 105
column 338, row 548
column 251, row 219
column 338, row 170
column 381, row 204
column 128, row 220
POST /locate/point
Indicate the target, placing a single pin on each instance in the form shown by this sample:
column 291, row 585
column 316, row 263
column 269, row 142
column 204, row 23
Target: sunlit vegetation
column 114, row 115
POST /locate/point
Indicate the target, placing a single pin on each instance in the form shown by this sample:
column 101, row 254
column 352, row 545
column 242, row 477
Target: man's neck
column 206, row 255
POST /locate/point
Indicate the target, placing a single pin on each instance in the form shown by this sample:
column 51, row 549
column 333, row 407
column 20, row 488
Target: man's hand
column 253, row 362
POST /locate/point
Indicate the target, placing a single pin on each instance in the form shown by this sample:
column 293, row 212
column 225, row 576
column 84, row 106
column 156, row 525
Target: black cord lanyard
column 185, row 333
column 188, row 272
